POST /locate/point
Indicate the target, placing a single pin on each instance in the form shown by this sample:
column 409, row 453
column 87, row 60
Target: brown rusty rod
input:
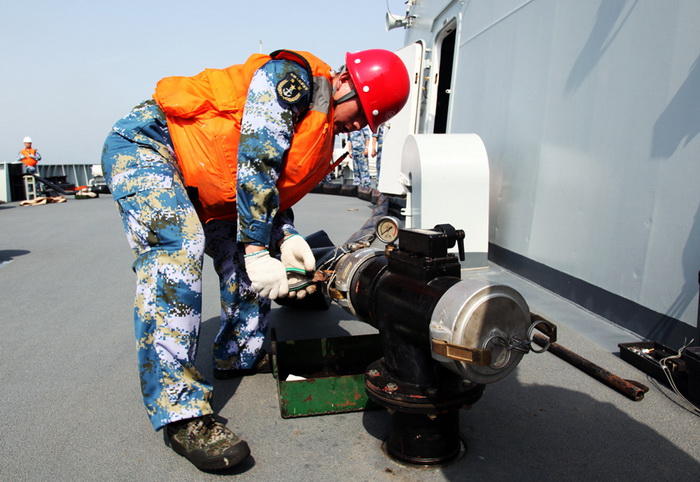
column 629, row 388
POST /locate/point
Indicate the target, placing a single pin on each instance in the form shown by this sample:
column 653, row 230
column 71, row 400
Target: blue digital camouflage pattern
column 266, row 134
column 167, row 238
column 380, row 142
column 169, row 242
column 360, row 163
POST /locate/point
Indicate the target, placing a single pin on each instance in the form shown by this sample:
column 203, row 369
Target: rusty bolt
column 373, row 373
column 391, row 387
column 431, row 392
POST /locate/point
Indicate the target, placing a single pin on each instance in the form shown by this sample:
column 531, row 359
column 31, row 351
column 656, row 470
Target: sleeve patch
column 292, row 89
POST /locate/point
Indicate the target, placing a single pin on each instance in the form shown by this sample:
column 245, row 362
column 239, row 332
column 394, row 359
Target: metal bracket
column 461, row 353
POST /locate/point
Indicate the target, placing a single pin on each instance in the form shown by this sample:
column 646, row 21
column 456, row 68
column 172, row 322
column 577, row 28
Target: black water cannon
column 443, row 337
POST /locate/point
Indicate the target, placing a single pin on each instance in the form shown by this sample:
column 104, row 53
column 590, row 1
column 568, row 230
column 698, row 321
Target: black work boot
column 207, row 443
column 263, row 365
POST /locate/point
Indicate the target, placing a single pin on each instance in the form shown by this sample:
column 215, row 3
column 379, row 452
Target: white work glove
column 296, row 253
column 268, row 277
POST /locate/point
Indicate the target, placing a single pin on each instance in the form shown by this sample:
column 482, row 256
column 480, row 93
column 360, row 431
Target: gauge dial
column 387, row 229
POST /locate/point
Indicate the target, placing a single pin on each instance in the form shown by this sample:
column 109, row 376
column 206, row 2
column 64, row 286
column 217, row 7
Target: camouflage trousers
column 360, row 165
column 169, row 242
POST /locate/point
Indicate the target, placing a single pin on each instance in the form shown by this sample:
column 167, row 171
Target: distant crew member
column 375, row 149
column 29, row 156
column 357, row 147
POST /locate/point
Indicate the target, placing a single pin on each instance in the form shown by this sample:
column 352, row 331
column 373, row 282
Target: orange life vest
column 204, row 115
column 26, row 152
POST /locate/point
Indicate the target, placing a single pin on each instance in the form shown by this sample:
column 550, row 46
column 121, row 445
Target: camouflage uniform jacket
column 281, row 151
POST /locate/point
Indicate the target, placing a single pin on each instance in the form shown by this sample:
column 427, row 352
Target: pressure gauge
column 387, row 229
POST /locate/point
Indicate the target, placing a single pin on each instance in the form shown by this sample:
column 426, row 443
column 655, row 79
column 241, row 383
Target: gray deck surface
column 71, row 408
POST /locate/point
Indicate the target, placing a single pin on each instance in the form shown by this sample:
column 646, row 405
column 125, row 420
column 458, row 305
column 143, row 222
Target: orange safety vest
column 28, row 160
column 204, row 115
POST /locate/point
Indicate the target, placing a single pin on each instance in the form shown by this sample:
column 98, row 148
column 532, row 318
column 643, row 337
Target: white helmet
column 27, row 139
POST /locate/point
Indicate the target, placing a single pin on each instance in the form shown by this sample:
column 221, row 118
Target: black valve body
column 397, row 294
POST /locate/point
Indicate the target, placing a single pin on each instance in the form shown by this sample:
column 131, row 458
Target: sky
column 70, row 69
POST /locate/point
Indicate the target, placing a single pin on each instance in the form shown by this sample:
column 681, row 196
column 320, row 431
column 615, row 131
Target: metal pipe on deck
column 629, row 388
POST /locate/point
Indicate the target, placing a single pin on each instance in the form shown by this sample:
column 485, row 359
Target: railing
column 12, row 187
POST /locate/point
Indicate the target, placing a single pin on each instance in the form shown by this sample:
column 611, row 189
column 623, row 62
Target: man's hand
column 267, row 275
column 296, row 253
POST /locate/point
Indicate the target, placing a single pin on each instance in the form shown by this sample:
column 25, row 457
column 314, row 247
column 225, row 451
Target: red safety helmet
column 382, row 83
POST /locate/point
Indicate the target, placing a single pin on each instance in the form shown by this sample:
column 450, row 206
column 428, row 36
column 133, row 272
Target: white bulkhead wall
column 590, row 114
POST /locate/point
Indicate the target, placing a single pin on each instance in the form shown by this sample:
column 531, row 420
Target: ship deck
column 72, row 410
